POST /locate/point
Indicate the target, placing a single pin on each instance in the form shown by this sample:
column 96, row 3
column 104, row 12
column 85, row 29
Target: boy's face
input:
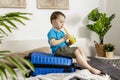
column 59, row 22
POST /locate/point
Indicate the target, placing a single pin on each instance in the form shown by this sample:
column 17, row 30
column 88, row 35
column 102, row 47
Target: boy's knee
column 79, row 48
column 77, row 52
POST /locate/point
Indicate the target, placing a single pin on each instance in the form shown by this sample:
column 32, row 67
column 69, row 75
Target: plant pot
column 99, row 49
column 109, row 54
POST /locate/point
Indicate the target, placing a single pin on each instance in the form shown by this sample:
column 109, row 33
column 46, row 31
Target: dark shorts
column 66, row 51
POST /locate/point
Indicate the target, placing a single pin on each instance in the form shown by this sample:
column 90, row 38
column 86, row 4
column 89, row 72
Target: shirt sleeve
column 51, row 35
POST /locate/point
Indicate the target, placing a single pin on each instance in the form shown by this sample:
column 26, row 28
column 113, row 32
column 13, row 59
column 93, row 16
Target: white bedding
column 81, row 74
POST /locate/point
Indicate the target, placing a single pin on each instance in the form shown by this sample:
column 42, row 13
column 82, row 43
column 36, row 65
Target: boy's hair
column 55, row 14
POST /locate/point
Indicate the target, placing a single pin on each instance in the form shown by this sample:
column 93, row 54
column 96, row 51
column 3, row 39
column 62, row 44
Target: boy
column 57, row 40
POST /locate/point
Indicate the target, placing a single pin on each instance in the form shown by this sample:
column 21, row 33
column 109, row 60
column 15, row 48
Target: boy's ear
column 53, row 21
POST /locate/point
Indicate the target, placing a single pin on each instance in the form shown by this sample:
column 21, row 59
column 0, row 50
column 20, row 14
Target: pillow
column 26, row 53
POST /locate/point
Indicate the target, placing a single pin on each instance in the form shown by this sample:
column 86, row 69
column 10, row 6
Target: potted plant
column 100, row 25
column 109, row 48
column 7, row 24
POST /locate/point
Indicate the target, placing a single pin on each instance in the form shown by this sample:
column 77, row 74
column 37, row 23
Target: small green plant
column 109, row 47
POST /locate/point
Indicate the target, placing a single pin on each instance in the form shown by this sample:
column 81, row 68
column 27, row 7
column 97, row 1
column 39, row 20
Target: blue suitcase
column 47, row 63
column 49, row 59
column 44, row 71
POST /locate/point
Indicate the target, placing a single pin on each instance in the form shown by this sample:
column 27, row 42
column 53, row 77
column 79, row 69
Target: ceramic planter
column 109, row 54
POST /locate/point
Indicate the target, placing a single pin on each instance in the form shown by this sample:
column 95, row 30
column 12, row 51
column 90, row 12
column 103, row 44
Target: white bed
column 81, row 74
column 24, row 47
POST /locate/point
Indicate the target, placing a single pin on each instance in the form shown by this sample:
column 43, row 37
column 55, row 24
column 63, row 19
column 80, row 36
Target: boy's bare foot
column 88, row 59
column 95, row 71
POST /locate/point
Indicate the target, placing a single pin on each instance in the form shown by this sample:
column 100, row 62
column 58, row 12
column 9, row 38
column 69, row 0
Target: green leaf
column 112, row 17
column 18, row 64
column 4, row 53
column 23, row 17
column 94, row 15
column 15, row 14
column 25, row 13
column 3, row 73
column 6, row 26
column 3, row 32
column 28, row 63
column 98, row 26
column 105, row 30
column 9, row 70
column 18, row 20
column 11, row 14
column 12, row 24
column 90, row 27
column 1, row 37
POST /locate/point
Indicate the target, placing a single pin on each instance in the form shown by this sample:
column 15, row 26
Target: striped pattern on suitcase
column 47, row 63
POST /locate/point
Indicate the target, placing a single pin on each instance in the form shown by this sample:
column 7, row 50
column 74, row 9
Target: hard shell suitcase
column 47, row 63
column 44, row 71
column 49, row 59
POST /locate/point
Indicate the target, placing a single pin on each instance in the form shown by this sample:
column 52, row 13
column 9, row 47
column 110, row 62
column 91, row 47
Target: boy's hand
column 66, row 36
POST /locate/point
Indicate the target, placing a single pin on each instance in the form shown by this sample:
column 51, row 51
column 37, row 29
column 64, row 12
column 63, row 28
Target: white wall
column 113, row 35
column 39, row 25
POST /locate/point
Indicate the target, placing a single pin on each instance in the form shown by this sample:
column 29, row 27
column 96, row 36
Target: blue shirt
column 53, row 33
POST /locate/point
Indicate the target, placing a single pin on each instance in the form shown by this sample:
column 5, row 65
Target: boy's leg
column 66, row 51
column 82, row 54
column 80, row 58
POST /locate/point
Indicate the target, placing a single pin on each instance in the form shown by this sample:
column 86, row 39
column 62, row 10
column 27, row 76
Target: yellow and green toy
column 71, row 39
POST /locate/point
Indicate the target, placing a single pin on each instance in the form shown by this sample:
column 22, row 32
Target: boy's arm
column 55, row 42
column 66, row 30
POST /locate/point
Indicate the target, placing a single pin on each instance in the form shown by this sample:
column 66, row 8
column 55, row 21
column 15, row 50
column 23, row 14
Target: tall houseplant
column 7, row 24
column 100, row 25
